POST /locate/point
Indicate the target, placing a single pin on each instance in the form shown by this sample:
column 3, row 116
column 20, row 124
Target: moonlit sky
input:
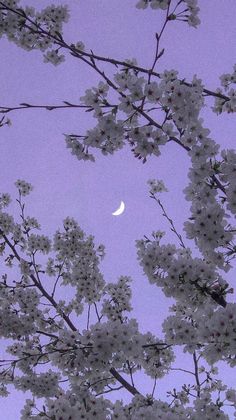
column 33, row 148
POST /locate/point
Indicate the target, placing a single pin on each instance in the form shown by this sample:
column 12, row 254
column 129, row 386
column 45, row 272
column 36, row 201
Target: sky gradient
column 33, row 148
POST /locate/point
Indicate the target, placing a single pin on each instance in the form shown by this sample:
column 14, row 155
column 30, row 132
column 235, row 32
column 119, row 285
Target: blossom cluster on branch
column 70, row 367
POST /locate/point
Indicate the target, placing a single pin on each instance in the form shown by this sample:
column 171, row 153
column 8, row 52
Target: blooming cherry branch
column 72, row 368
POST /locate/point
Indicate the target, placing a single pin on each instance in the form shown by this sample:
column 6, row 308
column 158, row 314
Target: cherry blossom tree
column 69, row 369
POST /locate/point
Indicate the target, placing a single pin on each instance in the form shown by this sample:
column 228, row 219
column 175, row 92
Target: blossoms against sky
column 73, row 368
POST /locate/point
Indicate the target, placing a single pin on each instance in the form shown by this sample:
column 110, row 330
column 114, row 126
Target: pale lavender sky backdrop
column 34, row 149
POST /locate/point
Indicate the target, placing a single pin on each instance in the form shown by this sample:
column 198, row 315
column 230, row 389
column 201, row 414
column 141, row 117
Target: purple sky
column 33, row 148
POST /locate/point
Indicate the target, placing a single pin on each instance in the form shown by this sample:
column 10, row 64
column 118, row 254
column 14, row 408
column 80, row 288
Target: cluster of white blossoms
column 189, row 6
column 40, row 385
column 91, row 360
column 114, row 343
column 6, row 223
column 145, row 141
column 105, row 136
column 208, row 222
column 67, row 244
column 226, row 102
column 30, row 223
column 5, row 200
column 228, row 78
column 183, row 101
column 157, row 358
column 88, row 357
column 154, row 410
column 96, row 97
column 142, row 408
column 206, row 409
column 81, row 259
column 52, row 18
column 179, row 101
column 208, row 229
column 157, row 186
column 179, row 331
column 19, row 312
column 154, row 4
column 86, row 277
column 212, row 331
column 231, row 395
column 227, row 174
column 23, row 187
column 119, row 298
column 31, row 29
column 217, row 329
column 150, row 110
column 179, row 274
column 38, row 243
column 27, row 353
column 53, row 57
column 77, row 149
column 67, row 407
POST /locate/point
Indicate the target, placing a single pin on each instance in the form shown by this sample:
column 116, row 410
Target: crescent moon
column 120, row 209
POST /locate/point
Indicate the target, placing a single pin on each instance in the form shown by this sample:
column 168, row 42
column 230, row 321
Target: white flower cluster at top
column 30, row 29
column 182, row 104
column 190, row 7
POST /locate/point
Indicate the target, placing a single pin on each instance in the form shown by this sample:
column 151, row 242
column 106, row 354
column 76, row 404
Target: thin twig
column 196, row 373
column 183, row 370
column 5, row 109
column 88, row 317
column 154, row 386
column 169, row 220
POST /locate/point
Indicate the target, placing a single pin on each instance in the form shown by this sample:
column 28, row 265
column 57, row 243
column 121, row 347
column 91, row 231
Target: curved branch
column 79, row 53
column 120, row 379
column 66, row 318
column 5, row 109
